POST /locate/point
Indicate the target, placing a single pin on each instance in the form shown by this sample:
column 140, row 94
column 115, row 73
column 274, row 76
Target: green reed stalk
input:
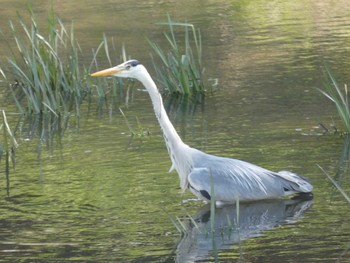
column 339, row 97
column 180, row 69
column 105, row 86
column 212, row 218
column 8, row 144
column 340, row 189
column 45, row 68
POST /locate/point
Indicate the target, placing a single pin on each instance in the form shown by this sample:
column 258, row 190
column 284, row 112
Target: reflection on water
column 343, row 165
column 342, row 169
column 252, row 220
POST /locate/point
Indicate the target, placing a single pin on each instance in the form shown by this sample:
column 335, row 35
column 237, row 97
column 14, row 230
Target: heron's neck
column 170, row 135
column 176, row 147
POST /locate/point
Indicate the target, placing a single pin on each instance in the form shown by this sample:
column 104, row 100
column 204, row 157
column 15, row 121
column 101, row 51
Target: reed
column 178, row 224
column 339, row 97
column 180, row 69
column 45, row 68
column 8, row 144
column 339, row 188
column 140, row 132
column 212, row 219
column 106, row 86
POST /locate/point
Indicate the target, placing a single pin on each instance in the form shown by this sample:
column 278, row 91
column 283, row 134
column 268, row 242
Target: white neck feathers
column 177, row 150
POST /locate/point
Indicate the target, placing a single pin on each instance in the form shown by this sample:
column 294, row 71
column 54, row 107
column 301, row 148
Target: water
column 96, row 195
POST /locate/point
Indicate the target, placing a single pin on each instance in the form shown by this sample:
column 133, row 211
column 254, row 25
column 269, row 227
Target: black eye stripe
column 134, row 63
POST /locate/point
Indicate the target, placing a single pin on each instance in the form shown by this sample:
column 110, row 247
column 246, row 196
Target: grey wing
column 231, row 179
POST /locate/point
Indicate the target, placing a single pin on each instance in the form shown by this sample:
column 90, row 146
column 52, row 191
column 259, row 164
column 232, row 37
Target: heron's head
column 128, row 69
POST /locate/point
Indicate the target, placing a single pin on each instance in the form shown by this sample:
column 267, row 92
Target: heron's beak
column 108, row 72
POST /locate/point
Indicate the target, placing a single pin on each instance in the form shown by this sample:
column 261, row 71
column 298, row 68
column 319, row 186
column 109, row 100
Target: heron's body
column 229, row 179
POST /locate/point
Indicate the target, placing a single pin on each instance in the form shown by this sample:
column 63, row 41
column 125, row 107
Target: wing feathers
column 234, row 179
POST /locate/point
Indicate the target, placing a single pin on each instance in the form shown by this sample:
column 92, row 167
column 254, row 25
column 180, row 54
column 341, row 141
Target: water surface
column 97, row 195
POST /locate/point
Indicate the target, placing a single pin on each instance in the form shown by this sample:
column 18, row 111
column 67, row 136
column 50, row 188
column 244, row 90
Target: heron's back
column 232, row 179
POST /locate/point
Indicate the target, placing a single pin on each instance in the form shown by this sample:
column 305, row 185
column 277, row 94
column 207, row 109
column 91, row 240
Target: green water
column 97, row 195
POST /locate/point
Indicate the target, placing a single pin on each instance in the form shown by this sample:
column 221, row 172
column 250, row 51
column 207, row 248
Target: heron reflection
column 232, row 226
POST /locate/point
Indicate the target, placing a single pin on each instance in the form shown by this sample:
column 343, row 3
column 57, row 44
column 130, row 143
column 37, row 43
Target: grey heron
column 203, row 174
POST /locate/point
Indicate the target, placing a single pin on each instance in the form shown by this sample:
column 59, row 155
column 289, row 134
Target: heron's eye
column 128, row 67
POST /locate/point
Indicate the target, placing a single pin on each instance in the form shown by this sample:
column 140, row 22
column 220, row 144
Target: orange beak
column 107, row 72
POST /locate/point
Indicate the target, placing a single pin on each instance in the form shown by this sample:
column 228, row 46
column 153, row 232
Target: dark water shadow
column 183, row 111
column 232, row 226
column 184, row 104
column 44, row 127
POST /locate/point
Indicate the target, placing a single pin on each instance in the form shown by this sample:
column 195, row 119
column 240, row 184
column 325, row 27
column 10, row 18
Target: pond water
column 96, row 194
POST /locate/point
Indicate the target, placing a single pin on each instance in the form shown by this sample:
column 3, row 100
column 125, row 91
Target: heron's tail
column 296, row 182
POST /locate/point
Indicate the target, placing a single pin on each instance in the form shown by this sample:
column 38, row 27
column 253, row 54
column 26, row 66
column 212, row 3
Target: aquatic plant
column 212, row 219
column 339, row 97
column 105, row 86
column 337, row 185
column 8, row 144
column 140, row 132
column 181, row 70
column 179, row 224
column 342, row 169
column 45, row 68
column 46, row 78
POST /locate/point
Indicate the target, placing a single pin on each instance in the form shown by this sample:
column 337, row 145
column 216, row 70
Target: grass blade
column 340, row 189
column 338, row 97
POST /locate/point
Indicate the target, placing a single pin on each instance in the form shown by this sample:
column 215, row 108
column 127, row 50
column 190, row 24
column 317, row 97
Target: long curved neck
column 173, row 141
column 170, row 135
